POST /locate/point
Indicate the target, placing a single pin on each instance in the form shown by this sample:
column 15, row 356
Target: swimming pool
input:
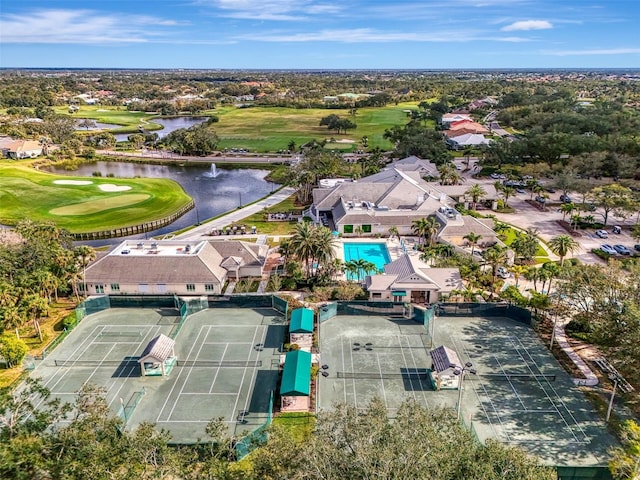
column 374, row 252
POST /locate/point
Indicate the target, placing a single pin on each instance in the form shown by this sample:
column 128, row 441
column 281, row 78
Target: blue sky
column 321, row 34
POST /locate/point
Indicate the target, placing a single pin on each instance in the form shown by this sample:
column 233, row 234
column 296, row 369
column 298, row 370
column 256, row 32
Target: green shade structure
column 301, row 321
column 401, row 293
column 296, row 376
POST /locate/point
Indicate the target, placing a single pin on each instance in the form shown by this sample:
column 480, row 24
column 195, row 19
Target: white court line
column 228, row 343
column 404, row 359
column 355, row 394
column 106, row 355
column 109, row 343
column 503, row 431
column 178, row 376
column 187, row 378
column 510, row 382
column 384, row 392
column 205, row 393
column 557, row 396
column 143, row 341
column 254, row 373
column 415, row 365
column 217, row 369
column 344, row 380
column 244, row 373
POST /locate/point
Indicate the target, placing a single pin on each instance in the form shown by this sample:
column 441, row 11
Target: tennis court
column 227, row 367
column 373, row 356
column 520, row 394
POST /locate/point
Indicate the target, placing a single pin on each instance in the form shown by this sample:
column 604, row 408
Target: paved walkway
column 561, row 338
column 197, row 232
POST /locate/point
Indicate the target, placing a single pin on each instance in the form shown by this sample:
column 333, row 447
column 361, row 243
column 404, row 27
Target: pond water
column 214, row 190
column 97, row 126
column 169, row 124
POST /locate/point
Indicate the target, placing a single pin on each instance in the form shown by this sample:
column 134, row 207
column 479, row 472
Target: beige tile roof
column 250, row 253
column 153, row 269
column 482, row 227
column 160, row 348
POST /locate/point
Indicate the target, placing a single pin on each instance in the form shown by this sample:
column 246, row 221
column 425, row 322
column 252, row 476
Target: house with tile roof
column 164, row 267
column 409, row 279
column 472, row 140
column 19, row 149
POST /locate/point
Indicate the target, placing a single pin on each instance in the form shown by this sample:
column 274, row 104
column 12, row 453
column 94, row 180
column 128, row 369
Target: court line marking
column 355, row 393
column 406, row 364
column 384, row 391
column 218, row 369
column 415, row 365
column 244, row 373
column 344, row 380
column 502, row 432
column 557, row 396
column 513, row 388
column 178, row 377
column 254, row 371
column 186, row 380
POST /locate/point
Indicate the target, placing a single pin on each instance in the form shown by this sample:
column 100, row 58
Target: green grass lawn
column 541, row 254
column 28, row 193
column 274, row 228
column 269, row 129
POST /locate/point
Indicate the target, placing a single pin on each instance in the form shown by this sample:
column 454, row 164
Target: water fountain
column 213, row 173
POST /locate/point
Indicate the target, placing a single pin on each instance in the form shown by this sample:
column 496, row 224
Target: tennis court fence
column 131, row 362
column 423, row 374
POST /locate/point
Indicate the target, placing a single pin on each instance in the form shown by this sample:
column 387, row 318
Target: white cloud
column 367, row 35
column 603, row 51
column 528, row 25
column 277, row 10
column 80, row 27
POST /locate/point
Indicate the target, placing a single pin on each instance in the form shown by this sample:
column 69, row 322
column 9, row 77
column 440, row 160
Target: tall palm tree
column 518, row 271
column 85, row 255
column 566, row 209
column 393, row 232
column 562, row 245
column 426, row 228
column 506, row 193
column 312, row 246
column 473, row 238
column 475, row 192
column 495, row 256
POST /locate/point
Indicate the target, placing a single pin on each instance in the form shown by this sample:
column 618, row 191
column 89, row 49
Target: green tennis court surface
column 520, row 395
column 225, row 367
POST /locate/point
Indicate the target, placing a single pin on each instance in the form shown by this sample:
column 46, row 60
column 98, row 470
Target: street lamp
column 461, row 371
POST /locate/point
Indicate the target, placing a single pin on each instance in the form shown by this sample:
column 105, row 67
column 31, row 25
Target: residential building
column 172, row 267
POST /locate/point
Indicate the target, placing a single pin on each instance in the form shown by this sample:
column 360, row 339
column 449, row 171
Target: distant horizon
column 320, row 35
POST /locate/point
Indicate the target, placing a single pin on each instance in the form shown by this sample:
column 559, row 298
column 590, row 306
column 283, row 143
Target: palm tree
column 360, row 268
column 473, row 238
column 562, row 245
column 475, row 192
column 495, row 256
column 426, row 228
column 566, row 209
column 312, row 245
column 518, row 271
column 85, row 255
column 393, row 232
column 506, row 193
column 351, row 269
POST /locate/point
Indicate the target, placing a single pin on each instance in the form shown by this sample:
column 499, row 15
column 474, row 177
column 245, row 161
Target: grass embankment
column 259, row 220
column 541, row 255
column 28, row 193
column 269, row 129
column 51, row 327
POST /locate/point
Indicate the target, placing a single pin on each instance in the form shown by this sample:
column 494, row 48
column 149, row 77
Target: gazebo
column 301, row 328
column 295, row 387
column 158, row 357
column 441, row 373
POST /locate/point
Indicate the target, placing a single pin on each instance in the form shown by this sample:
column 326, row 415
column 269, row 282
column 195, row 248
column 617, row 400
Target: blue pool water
column 376, row 253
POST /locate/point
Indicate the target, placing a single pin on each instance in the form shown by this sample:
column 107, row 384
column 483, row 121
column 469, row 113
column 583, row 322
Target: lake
column 213, row 194
column 169, row 124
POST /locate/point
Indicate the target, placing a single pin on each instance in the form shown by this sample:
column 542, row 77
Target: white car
column 602, row 233
column 502, row 272
column 606, row 248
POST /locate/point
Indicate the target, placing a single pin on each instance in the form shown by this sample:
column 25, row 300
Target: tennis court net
column 120, row 334
column 417, row 374
column 531, row 377
column 179, row 363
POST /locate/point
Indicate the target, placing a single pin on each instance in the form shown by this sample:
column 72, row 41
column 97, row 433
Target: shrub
column 12, row 349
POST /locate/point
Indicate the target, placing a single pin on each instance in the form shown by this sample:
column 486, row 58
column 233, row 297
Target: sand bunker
column 72, row 182
column 345, row 140
column 110, row 187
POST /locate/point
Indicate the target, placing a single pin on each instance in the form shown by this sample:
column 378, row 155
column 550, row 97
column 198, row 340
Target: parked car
column 602, row 233
column 606, row 248
column 540, row 199
column 617, row 229
column 502, row 272
column 636, row 247
column 520, row 190
column 621, row 249
column 565, row 198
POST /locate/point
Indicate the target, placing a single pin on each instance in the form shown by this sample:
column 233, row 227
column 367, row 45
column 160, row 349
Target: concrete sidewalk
column 204, row 229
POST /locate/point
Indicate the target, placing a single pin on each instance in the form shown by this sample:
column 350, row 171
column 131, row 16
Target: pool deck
column 393, row 245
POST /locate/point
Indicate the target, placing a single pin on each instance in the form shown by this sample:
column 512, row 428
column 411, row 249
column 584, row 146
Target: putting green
column 95, row 206
column 81, row 204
